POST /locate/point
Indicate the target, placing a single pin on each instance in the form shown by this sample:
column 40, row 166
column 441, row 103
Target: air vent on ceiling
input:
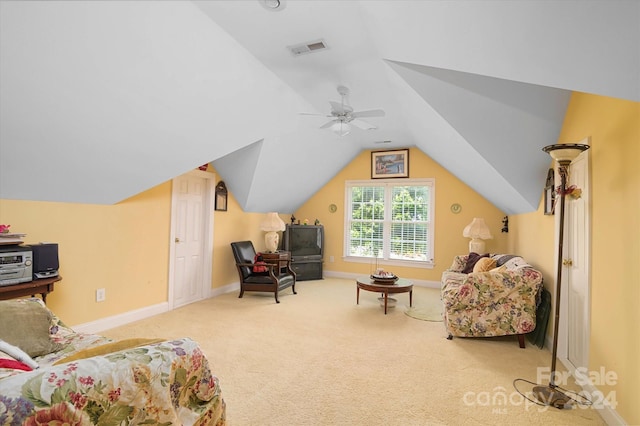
column 310, row 47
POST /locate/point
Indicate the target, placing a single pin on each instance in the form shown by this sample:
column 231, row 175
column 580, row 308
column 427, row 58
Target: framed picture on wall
column 390, row 164
column 549, row 193
column 221, row 197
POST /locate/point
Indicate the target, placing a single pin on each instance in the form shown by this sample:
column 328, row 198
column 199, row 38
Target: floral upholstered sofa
column 490, row 295
column 50, row 374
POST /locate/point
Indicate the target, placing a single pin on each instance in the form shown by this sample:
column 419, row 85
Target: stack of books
column 9, row 238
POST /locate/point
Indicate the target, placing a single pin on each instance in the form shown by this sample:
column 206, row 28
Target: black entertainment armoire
column 306, row 244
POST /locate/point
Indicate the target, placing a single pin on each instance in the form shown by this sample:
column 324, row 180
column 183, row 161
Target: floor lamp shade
column 563, row 154
column 478, row 231
column 272, row 224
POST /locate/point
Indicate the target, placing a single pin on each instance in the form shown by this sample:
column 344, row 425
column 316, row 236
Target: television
column 305, row 242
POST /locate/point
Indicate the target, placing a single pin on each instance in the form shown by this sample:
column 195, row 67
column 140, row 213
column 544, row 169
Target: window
column 391, row 221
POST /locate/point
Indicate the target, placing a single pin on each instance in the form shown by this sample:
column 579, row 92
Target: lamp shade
column 477, row 229
column 565, row 152
column 340, row 128
column 272, row 222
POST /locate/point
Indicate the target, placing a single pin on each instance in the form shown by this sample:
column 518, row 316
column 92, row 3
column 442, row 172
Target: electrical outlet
column 101, row 295
column 331, row 259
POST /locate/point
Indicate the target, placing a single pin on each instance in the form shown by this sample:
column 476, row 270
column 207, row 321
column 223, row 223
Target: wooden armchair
column 274, row 280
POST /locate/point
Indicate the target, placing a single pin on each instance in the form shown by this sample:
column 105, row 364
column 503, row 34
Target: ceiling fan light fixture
column 340, row 128
column 343, row 116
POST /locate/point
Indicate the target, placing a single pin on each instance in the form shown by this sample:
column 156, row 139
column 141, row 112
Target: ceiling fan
column 342, row 115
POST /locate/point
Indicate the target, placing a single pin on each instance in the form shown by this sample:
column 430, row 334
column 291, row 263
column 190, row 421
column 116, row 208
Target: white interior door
column 191, row 256
column 577, row 265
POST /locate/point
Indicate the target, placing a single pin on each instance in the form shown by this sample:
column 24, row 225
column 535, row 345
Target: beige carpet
column 317, row 358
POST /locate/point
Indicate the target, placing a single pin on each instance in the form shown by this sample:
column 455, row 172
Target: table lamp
column 272, row 224
column 478, row 231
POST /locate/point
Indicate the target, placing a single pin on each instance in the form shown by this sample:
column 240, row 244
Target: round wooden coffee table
column 400, row 286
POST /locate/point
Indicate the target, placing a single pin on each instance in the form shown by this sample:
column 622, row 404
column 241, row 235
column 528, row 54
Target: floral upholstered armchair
column 490, row 295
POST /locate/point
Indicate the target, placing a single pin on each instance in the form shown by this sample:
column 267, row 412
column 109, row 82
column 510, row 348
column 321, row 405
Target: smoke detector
column 309, row 47
column 273, row 5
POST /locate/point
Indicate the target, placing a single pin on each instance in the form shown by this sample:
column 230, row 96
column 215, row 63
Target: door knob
column 177, row 240
column 567, row 262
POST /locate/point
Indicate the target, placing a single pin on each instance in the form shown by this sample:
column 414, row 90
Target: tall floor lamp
column 563, row 154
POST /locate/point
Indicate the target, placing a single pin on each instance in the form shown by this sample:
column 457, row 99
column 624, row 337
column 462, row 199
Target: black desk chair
column 274, row 280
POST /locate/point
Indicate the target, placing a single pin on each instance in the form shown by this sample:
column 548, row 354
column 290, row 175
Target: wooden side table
column 280, row 258
column 42, row 286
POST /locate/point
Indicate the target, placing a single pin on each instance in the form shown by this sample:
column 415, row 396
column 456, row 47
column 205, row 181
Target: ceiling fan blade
column 339, row 108
column 328, row 124
column 368, row 113
column 313, row 113
column 362, row 125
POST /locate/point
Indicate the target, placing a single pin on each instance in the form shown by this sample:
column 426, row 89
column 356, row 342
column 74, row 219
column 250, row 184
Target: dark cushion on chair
column 244, row 252
column 259, row 279
column 284, row 280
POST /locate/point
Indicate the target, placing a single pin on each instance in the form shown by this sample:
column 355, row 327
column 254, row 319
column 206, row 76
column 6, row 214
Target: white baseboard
column 608, row 413
column 142, row 313
column 121, row 319
column 224, row 289
column 350, row 276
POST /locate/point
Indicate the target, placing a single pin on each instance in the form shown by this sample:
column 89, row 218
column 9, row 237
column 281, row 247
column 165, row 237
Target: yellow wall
column 531, row 236
column 122, row 248
column 448, row 233
column 614, row 128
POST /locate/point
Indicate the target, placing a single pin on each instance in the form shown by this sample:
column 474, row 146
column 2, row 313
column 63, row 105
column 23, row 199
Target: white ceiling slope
column 101, row 100
column 503, row 121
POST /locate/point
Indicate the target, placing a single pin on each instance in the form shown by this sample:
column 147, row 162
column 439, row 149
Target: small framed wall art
column 390, row 164
column 221, row 197
column 549, row 194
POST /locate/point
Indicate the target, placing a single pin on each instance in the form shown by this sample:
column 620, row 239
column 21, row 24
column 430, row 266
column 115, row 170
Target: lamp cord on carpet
column 585, row 401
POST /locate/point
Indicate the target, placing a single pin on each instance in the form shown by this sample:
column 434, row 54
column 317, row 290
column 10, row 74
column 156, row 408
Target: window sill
column 404, row 263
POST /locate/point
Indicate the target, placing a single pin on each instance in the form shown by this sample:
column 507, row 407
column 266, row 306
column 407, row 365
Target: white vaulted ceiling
column 101, row 100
